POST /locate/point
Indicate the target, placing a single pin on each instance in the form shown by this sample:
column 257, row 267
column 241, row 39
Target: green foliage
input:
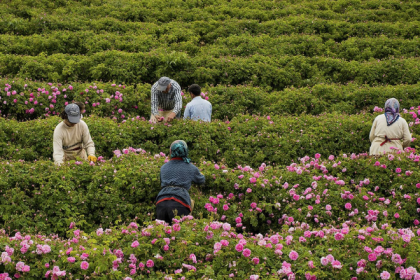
column 259, row 70
column 227, row 101
column 42, row 197
column 243, row 140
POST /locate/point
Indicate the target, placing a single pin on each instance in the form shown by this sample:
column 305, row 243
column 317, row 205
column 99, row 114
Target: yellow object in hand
column 91, row 158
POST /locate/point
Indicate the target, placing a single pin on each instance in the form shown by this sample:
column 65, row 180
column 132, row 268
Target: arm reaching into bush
column 58, row 154
column 199, row 177
column 87, row 141
column 407, row 135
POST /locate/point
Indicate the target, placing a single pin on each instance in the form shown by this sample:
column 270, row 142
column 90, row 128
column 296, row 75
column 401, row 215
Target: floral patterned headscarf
column 179, row 149
column 392, row 111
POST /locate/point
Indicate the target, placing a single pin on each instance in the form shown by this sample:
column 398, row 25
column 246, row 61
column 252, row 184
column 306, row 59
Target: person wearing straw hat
column 176, row 177
column 166, row 100
column 72, row 137
column 389, row 130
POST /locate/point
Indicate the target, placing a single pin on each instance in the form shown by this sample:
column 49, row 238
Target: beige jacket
column 398, row 129
column 68, row 136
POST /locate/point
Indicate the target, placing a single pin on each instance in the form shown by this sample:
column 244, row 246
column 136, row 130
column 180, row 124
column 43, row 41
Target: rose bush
column 277, row 72
column 289, row 193
column 40, row 99
column 243, row 140
column 205, row 249
column 318, row 191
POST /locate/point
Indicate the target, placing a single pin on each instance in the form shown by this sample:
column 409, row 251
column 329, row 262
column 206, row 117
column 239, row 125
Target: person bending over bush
column 176, row 177
column 72, row 137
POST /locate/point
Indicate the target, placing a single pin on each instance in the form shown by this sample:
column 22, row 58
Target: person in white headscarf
column 389, row 130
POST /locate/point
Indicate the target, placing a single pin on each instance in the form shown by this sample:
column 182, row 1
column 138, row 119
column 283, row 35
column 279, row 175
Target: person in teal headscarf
column 176, row 177
column 389, row 130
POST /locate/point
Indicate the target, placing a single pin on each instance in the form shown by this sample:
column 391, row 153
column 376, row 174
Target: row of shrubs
column 88, row 42
column 216, row 251
column 258, row 70
column 243, row 140
column 34, row 99
column 140, row 11
column 209, row 29
column 320, row 190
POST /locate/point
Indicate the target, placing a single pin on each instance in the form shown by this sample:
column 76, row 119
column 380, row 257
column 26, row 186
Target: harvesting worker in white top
column 389, row 130
column 198, row 108
column 72, row 138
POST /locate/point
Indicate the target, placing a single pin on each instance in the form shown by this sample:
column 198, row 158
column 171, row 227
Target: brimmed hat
column 73, row 113
column 163, row 83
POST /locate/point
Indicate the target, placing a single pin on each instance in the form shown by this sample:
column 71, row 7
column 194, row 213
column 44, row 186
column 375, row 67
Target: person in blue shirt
column 198, row 108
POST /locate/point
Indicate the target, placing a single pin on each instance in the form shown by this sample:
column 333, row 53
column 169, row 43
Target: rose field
column 291, row 191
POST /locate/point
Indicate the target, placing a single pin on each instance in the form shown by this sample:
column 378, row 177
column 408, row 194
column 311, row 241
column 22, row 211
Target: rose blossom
column 293, row 255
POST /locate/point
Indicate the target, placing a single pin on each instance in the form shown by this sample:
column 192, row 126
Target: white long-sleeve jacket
column 67, row 136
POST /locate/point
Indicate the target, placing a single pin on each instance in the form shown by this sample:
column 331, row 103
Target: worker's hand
column 92, row 158
column 160, row 119
column 153, row 119
column 170, row 117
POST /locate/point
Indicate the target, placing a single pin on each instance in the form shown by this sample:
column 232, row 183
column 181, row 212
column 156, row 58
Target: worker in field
column 198, row 108
column 176, row 177
column 72, row 139
column 389, row 130
column 166, row 100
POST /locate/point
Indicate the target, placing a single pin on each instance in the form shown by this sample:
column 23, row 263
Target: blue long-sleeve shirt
column 180, row 174
column 198, row 109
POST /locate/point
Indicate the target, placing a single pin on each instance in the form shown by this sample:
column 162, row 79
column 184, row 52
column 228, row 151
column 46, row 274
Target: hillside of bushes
column 290, row 192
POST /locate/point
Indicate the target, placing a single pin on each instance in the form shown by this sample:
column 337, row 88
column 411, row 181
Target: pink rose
column 311, row 264
column 84, row 265
column 324, row 261
column 338, row 236
column 239, row 247
column 246, row 253
column 336, row 264
column 176, row 227
column 150, row 263
column 372, row 257
column 385, row 275
column 293, row 255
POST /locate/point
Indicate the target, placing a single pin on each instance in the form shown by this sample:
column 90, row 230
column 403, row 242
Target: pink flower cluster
column 55, row 273
column 330, row 259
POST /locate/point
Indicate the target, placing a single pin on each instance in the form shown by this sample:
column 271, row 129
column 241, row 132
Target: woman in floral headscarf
column 176, row 177
column 389, row 130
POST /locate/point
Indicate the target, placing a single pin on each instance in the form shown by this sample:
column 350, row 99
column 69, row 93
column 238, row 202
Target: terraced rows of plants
column 290, row 192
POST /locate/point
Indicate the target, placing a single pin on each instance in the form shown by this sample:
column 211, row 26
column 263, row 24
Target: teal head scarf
column 179, row 149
